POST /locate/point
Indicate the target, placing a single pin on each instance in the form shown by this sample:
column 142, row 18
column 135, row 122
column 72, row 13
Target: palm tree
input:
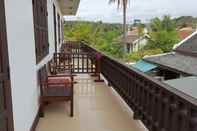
column 123, row 4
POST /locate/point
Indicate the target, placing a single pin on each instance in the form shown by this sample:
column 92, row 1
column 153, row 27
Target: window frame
column 40, row 19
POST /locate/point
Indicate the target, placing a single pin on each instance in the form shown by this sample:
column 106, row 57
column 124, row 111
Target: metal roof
column 144, row 66
column 186, row 85
column 175, row 61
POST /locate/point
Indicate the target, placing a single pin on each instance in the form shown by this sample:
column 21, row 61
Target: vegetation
column 103, row 36
column 97, row 34
column 141, row 28
column 163, row 34
column 162, row 37
column 135, row 56
column 123, row 4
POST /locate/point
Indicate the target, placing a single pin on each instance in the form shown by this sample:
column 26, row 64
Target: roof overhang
column 68, row 7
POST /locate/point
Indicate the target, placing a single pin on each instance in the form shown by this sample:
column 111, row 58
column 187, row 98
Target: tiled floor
column 96, row 109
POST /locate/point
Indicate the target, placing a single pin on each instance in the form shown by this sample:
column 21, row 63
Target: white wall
column 23, row 68
column 139, row 44
column 21, row 47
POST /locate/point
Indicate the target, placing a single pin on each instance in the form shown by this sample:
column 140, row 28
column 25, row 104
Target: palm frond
column 120, row 3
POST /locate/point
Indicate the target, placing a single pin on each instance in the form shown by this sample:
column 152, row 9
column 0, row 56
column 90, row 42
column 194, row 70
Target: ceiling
column 69, row 7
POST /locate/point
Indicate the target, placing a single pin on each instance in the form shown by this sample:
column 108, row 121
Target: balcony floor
column 96, row 109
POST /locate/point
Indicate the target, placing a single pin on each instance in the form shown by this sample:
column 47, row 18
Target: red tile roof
column 185, row 32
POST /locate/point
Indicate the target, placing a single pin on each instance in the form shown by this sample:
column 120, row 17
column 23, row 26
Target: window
column 59, row 31
column 40, row 28
column 6, row 118
column 55, row 27
column 62, row 30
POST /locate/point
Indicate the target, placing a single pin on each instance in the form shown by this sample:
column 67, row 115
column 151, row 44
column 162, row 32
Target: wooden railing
column 82, row 62
column 159, row 106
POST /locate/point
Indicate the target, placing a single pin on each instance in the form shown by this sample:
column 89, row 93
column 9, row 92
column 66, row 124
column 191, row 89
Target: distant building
column 133, row 41
column 185, row 32
column 137, row 21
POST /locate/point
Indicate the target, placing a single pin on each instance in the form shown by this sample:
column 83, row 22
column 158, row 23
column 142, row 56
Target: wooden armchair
column 55, row 88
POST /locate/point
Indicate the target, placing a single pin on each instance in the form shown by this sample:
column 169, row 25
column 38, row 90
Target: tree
column 163, row 34
column 140, row 28
column 98, row 35
column 135, row 56
column 79, row 31
column 123, row 4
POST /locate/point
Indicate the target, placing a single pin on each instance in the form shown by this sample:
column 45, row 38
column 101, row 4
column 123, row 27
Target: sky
column 101, row 10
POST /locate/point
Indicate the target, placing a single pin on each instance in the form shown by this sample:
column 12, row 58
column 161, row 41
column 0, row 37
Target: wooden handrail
column 159, row 106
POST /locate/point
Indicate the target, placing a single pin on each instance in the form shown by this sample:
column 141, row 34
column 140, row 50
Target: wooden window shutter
column 40, row 15
column 6, row 115
column 62, row 30
column 55, row 27
column 59, row 34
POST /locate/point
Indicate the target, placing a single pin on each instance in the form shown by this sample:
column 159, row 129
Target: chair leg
column 41, row 112
column 72, row 107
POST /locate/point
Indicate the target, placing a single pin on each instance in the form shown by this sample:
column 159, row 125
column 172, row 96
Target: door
column 6, row 120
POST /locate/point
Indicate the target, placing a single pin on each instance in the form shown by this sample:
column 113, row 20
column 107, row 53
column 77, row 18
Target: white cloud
column 96, row 10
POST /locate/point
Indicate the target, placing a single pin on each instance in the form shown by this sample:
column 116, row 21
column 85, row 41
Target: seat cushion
column 59, row 80
column 57, row 92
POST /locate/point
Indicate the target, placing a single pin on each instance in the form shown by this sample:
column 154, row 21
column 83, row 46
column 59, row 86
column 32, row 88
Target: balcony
column 101, row 106
column 97, row 108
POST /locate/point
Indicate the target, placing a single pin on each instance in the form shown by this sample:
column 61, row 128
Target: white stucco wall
column 23, row 68
column 139, row 44
column 21, row 47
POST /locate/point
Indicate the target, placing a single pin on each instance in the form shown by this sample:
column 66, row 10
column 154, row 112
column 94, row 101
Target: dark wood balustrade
column 159, row 106
column 82, row 62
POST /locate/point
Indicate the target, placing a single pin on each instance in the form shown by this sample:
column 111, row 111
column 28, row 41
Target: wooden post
column 94, row 62
column 98, row 67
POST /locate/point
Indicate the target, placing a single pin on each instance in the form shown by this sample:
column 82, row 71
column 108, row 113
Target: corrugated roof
column 186, row 85
column 176, row 62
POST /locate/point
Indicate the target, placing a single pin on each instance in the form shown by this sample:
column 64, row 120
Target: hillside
column 184, row 21
column 108, row 26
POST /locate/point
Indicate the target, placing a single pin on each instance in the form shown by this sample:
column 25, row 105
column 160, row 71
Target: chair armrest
column 62, row 75
column 46, row 84
column 58, row 83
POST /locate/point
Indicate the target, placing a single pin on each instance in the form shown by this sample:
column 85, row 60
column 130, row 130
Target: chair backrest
column 51, row 67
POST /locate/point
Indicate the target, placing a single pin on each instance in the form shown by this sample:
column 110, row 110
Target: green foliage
column 135, row 56
column 79, row 32
column 163, row 40
column 140, row 29
column 99, row 35
column 163, row 34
